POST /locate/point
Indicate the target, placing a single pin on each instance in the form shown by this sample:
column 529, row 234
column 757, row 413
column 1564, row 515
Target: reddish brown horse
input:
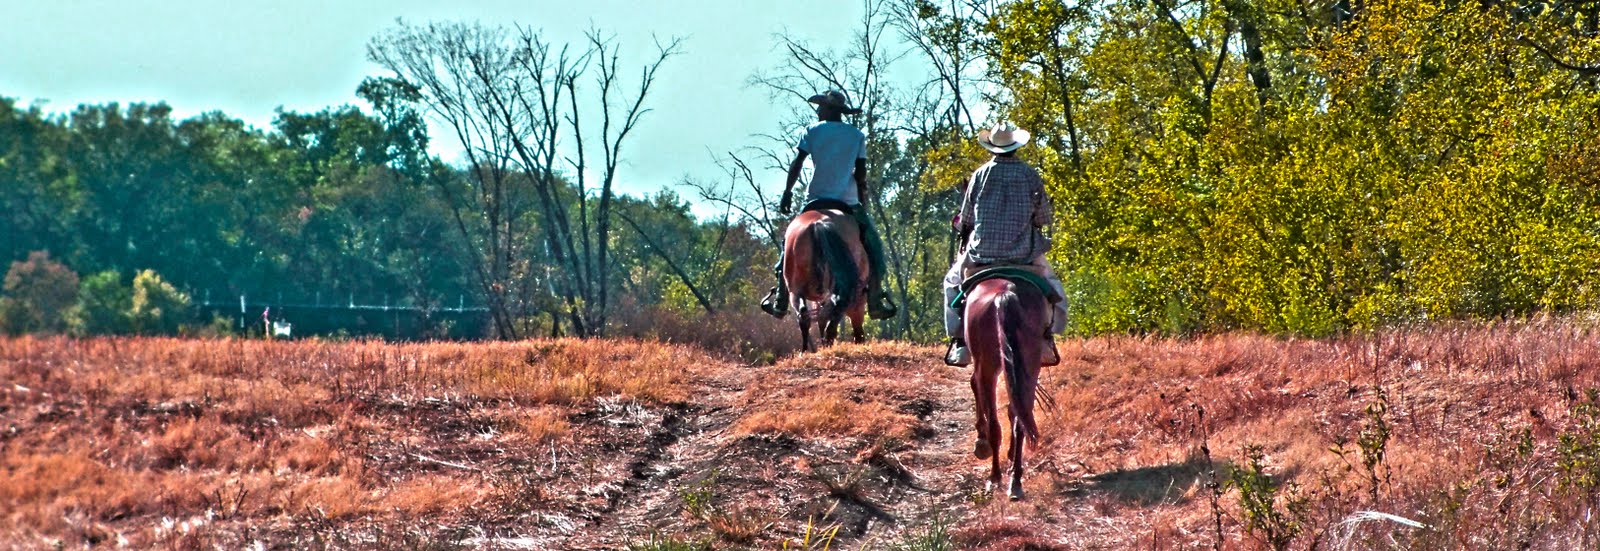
column 824, row 267
column 1005, row 321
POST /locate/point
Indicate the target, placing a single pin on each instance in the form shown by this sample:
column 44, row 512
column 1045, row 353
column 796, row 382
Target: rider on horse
column 838, row 153
column 1002, row 214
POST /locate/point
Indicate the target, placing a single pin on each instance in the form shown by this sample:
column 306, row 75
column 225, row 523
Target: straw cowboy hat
column 1003, row 138
column 835, row 98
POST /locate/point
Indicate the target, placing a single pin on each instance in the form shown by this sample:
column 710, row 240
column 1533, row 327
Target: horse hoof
column 1016, row 490
column 981, row 449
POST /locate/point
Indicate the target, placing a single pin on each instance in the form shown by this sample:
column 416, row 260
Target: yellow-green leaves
column 1419, row 161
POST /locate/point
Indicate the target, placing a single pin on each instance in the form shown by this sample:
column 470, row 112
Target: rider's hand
column 783, row 206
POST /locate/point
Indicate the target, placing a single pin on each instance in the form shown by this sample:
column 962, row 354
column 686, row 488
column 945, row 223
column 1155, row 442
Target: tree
column 157, row 308
column 510, row 99
column 37, row 292
column 35, row 184
column 103, row 307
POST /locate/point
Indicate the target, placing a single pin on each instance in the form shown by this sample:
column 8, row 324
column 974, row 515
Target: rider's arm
column 794, row 174
column 964, row 216
column 1043, row 214
column 861, row 180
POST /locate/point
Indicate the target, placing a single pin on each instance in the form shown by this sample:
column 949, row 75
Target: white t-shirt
column 834, row 147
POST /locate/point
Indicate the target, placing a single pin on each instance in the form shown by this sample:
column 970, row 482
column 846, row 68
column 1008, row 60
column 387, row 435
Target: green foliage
column 933, row 537
column 104, row 306
column 1578, row 451
column 1372, row 443
column 1423, row 161
column 698, row 499
column 36, row 294
column 1218, row 164
column 1374, row 440
column 1276, row 524
column 814, row 538
column 657, row 542
column 157, row 308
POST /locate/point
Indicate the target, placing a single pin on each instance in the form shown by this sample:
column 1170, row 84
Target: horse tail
column 832, row 254
column 1010, row 316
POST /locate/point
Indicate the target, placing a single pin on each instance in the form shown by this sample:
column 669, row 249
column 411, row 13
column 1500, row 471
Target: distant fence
column 348, row 317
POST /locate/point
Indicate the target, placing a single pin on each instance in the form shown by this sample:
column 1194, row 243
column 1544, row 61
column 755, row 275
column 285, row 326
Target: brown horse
column 1004, row 324
column 824, row 267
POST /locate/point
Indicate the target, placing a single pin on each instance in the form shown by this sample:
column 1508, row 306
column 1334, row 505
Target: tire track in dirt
column 648, row 500
column 874, row 488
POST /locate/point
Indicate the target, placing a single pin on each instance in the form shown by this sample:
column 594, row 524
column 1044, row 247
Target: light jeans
column 962, row 267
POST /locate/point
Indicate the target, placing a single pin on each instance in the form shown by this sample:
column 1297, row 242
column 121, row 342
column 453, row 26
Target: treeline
column 123, row 220
column 1294, row 168
column 1216, row 165
column 1298, row 167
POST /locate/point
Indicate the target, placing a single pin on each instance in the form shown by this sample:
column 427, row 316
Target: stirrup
column 957, row 355
column 774, row 304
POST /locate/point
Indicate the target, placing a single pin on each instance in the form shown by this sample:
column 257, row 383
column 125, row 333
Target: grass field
column 1484, row 435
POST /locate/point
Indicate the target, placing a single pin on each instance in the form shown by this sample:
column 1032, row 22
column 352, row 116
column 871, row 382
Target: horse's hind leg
column 859, row 333
column 983, row 402
column 987, row 445
column 804, row 315
column 835, row 318
column 1018, row 435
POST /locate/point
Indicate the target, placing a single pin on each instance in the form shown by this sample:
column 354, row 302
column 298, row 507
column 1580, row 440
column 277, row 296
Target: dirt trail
column 699, row 474
column 680, row 446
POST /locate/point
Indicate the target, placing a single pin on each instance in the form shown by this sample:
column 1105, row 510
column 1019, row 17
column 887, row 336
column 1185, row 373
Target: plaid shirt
column 1005, row 205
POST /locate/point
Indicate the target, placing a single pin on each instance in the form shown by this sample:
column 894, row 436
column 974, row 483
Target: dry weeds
column 104, row 438
column 590, row 444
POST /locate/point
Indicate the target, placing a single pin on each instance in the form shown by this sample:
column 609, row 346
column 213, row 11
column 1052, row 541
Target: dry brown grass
column 584, row 442
column 108, row 436
column 827, row 410
column 543, row 424
column 844, row 391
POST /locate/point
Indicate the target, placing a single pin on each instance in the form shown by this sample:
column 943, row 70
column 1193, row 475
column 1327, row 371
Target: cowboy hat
column 1003, row 138
column 834, row 98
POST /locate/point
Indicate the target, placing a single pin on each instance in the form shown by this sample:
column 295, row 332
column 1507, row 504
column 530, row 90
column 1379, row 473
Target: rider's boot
column 958, row 355
column 776, row 302
column 878, row 304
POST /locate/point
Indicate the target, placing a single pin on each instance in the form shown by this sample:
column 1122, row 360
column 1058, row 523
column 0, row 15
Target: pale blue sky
column 248, row 57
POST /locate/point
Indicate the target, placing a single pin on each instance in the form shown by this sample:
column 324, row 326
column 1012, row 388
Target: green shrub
column 104, row 305
column 157, row 308
column 1276, row 524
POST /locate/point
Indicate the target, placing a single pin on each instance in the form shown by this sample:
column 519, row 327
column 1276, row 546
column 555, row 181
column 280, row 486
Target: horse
column 1005, row 322
column 825, row 270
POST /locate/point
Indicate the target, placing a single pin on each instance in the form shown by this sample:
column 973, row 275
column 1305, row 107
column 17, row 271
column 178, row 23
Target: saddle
column 828, row 204
column 1016, row 274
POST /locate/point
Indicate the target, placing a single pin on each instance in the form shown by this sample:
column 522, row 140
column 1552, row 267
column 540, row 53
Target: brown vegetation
column 105, row 437
column 1483, row 434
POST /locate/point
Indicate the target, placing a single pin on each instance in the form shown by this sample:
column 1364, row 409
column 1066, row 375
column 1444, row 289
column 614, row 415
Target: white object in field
column 281, row 329
column 1344, row 531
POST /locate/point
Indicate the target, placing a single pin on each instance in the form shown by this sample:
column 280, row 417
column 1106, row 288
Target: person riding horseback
column 1003, row 212
column 838, row 153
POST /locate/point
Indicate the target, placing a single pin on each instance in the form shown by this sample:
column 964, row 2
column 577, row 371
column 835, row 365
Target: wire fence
column 255, row 314
column 248, row 303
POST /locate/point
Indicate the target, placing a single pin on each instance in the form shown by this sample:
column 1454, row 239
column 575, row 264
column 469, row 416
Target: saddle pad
column 1012, row 273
